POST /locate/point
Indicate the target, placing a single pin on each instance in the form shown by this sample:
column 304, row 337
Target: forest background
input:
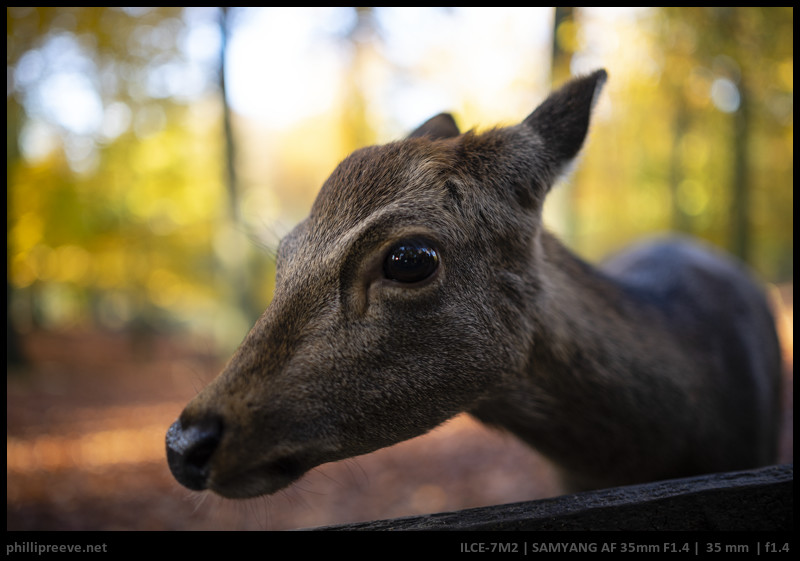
column 155, row 156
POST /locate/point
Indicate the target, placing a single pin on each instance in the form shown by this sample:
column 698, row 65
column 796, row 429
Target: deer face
column 399, row 303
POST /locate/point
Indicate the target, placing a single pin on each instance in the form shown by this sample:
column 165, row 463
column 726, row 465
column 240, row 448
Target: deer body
column 423, row 285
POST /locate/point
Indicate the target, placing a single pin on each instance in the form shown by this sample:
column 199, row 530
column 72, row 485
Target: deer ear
column 441, row 126
column 562, row 120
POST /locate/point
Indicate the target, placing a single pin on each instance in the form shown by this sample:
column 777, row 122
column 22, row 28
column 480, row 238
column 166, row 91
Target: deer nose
column 189, row 450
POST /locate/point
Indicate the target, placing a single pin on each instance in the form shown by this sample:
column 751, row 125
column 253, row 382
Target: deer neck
column 574, row 401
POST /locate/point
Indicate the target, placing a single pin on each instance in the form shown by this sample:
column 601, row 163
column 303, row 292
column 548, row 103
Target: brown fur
column 665, row 364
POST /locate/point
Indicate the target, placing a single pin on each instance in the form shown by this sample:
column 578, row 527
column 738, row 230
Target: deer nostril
column 189, row 449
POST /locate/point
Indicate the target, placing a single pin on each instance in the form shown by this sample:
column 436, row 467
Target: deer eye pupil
column 410, row 261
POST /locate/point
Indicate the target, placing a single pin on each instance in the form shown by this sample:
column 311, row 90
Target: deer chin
column 258, row 480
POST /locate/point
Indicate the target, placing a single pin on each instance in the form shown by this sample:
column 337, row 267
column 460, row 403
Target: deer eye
column 410, row 261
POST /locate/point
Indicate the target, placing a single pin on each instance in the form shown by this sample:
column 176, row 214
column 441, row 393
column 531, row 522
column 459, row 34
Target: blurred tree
column 237, row 270
column 722, row 66
column 361, row 40
column 564, row 44
column 230, row 143
column 14, row 353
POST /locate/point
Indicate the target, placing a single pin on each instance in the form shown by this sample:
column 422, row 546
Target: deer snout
column 189, row 450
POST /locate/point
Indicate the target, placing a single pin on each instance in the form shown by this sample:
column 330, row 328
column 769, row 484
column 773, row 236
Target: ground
column 86, row 420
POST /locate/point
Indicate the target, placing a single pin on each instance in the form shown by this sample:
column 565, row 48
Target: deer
column 423, row 285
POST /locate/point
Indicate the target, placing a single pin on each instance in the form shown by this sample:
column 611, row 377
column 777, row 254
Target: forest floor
column 87, row 416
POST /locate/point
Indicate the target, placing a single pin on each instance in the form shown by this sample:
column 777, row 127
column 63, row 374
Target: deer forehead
column 411, row 171
column 379, row 191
